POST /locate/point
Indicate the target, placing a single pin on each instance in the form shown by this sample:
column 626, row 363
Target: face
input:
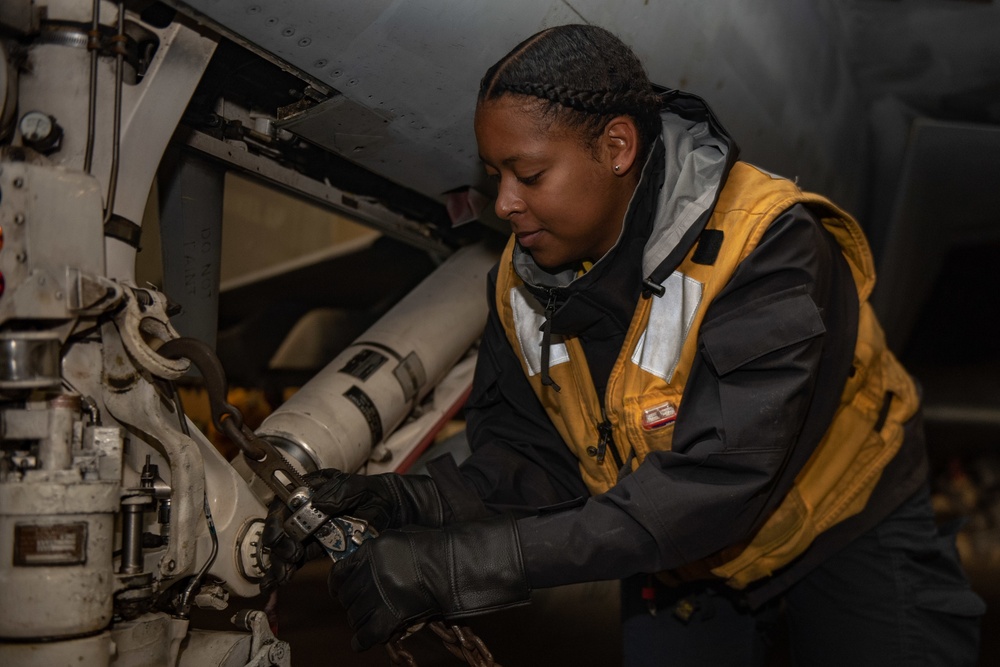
column 563, row 198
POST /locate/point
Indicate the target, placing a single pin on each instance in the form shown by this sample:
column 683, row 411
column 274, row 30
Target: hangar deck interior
column 320, row 157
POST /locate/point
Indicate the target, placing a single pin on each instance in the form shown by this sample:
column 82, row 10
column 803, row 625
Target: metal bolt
column 289, row 31
column 22, row 257
column 18, row 182
column 253, row 9
column 305, row 41
column 171, row 565
column 19, row 218
column 58, row 295
column 320, row 63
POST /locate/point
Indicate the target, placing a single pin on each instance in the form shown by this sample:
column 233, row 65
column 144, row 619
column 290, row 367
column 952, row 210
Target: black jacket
column 520, row 464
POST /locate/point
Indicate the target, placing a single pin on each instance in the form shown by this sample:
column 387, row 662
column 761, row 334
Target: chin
column 553, row 265
column 551, row 262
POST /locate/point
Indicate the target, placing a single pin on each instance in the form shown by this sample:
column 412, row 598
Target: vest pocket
column 777, row 322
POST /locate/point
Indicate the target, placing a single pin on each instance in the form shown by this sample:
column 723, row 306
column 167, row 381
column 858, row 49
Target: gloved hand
column 406, row 576
column 384, row 501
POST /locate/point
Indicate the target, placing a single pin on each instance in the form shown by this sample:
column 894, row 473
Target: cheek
column 557, row 208
column 583, row 202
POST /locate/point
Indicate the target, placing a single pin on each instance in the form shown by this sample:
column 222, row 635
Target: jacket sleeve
column 774, row 352
column 519, row 462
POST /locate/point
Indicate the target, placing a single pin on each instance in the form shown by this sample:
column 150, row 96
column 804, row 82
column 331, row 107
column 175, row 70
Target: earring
column 617, row 167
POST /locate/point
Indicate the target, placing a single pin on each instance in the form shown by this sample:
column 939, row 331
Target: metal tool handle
column 339, row 536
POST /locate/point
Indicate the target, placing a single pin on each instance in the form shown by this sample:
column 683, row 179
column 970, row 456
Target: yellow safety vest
column 646, row 386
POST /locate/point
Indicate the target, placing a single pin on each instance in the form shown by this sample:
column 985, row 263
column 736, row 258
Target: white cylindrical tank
column 371, row 387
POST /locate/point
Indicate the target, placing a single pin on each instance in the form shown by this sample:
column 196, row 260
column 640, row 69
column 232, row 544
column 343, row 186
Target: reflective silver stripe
column 670, row 318
column 528, row 318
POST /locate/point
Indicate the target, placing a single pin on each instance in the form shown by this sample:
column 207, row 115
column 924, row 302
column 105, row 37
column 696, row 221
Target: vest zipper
column 607, row 438
column 550, row 310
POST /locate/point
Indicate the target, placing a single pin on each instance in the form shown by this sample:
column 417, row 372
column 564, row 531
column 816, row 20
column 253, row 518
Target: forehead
column 518, row 119
column 512, row 112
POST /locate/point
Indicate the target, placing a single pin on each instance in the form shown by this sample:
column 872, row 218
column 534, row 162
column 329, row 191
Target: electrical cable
column 93, row 43
column 116, row 132
column 175, row 396
column 185, row 603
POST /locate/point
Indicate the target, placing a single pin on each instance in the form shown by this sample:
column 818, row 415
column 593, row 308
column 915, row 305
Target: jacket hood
column 697, row 158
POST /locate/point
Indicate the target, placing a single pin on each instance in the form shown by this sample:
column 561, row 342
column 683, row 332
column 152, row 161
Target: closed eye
column 529, row 180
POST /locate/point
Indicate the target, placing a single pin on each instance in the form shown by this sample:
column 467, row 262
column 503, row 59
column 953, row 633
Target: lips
column 527, row 239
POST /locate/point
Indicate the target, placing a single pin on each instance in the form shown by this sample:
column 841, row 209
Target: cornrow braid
column 584, row 76
column 588, row 101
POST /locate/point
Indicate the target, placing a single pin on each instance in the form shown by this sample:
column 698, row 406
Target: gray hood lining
column 694, row 169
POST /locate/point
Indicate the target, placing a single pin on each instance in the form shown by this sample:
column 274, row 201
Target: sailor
column 681, row 385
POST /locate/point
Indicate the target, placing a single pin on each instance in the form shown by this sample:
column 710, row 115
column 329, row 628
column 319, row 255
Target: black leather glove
column 384, row 501
column 407, row 576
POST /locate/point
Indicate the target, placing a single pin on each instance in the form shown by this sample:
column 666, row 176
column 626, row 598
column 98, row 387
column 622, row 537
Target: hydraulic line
column 94, row 45
column 185, row 604
column 119, row 41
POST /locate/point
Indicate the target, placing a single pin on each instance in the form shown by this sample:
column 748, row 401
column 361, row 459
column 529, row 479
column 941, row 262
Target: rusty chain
column 460, row 642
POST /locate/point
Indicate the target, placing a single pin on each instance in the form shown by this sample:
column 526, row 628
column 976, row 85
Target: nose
column 508, row 202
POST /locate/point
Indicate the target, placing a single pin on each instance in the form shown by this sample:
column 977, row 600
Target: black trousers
column 896, row 596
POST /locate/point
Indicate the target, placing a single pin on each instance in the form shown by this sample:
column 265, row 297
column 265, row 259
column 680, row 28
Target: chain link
column 398, row 655
column 462, row 643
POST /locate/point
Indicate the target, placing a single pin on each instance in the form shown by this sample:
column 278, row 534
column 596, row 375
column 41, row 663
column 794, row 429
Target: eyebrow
column 507, row 161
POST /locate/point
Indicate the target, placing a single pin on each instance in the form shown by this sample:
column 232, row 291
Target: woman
column 681, row 385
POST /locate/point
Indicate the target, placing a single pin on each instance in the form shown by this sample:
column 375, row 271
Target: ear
column 621, row 142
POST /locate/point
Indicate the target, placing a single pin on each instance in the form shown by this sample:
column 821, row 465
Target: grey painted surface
column 775, row 71
column 791, row 79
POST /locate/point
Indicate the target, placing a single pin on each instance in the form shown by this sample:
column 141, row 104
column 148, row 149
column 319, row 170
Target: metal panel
column 791, row 79
column 367, row 212
column 409, row 71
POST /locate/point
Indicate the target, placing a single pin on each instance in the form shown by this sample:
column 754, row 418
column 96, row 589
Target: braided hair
column 583, row 76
